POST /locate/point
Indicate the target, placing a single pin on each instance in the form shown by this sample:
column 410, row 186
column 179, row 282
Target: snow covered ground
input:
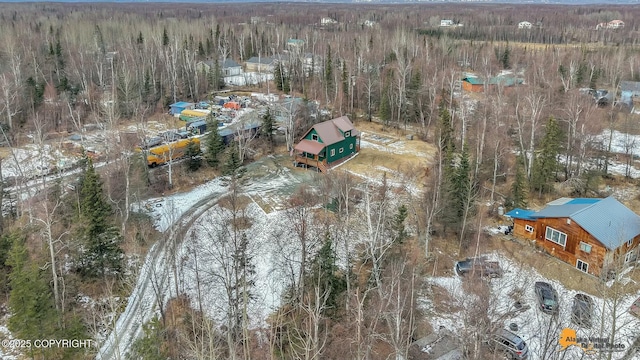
column 539, row 330
column 196, row 211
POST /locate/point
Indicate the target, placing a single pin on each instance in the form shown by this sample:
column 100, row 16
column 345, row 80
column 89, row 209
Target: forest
column 353, row 255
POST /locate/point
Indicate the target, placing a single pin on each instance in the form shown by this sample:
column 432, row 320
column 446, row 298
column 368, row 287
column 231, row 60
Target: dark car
column 582, row 310
column 478, row 267
column 635, row 308
column 547, row 297
column 510, row 344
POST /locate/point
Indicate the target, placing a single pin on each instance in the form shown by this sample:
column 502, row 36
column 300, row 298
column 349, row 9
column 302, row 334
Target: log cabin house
column 327, row 144
column 594, row 235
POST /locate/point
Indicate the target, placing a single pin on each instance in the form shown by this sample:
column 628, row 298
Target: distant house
column 477, row 84
column 328, row 21
column 327, row 143
column 445, row 23
column 611, row 25
column 180, row 106
column 594, row 235
column 629, row 91
column 260, row 64
column 295, row 43
column 228, row 67
column 524, row 25
column 369, row 23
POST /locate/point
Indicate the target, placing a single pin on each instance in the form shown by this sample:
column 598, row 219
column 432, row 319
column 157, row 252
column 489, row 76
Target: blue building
column 629, row 90
column 180, row 106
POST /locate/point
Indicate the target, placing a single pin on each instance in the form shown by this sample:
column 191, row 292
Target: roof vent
column 568, row 221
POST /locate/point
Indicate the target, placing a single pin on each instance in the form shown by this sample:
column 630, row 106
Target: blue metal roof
column 561, row 211
column 181, row 104
column 607, row 220
column 518, row 213
column 580, row 201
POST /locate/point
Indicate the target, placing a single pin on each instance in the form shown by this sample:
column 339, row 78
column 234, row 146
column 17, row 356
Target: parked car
column 151, row 142
column 547, row 297
column 479, row 266
column 582, row 310
column 509, row 343
column 635, row 308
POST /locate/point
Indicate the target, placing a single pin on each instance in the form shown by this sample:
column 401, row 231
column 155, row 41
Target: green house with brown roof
column 327, row 144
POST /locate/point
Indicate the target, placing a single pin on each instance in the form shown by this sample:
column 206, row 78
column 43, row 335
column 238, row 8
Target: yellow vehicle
column 162, row 154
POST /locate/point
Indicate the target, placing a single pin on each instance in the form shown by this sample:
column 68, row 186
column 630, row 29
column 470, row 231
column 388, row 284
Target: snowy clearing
column 539, row 330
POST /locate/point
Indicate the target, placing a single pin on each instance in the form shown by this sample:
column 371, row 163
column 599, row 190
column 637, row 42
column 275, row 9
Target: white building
column 446, row 23
column 327, row 21
column 524, row 25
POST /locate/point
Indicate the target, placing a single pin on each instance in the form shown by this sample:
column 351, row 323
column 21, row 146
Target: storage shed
column 180, row 106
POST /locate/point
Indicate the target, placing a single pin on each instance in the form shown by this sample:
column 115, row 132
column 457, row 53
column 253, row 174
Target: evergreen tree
column 140, row 39
column 277, row 76
column 268, row 126
column 149, row 346
column 165, row 37
column 193, row 152
column 328, row 72
column 33, row 314
column 215, row 145
column 399, row 232
column 505, row 60
column 462, row 188
column 519, row 187
column 101, row 253
column 325, row 274
column 385, row 102
column 545, row 164
column 201, row 51
column 233, row 164
column 345, row 81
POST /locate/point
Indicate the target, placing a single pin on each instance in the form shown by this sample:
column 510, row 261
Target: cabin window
column 314, row 137
column 582, row 266
column 585, row 247
column 347, row 134
column 333, row 152
column 529, row 228
column 341, row 150
column 351, row 146
column 556, row 236
column 630, row 256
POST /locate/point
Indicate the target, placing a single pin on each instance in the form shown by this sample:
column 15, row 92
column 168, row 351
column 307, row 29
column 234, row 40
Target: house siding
column 344, row 144
column 467, row 86
column 571, row 252
column 519, row 229
column 310, row 136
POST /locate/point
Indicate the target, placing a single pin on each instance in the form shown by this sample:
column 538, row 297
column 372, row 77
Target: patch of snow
column 539, row 330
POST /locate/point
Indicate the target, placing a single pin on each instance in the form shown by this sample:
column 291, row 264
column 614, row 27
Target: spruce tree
column 545, row 164
column 165, row 37
column 268, row 126
column 519, row 187
column 215, row 145
column 101, row 253
column 328, row 72
column 233, row 164
column 398, row 226
column 324, row 274
column 33, row 314
column 277, row 76
column 193, row 152
column 385, row 103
